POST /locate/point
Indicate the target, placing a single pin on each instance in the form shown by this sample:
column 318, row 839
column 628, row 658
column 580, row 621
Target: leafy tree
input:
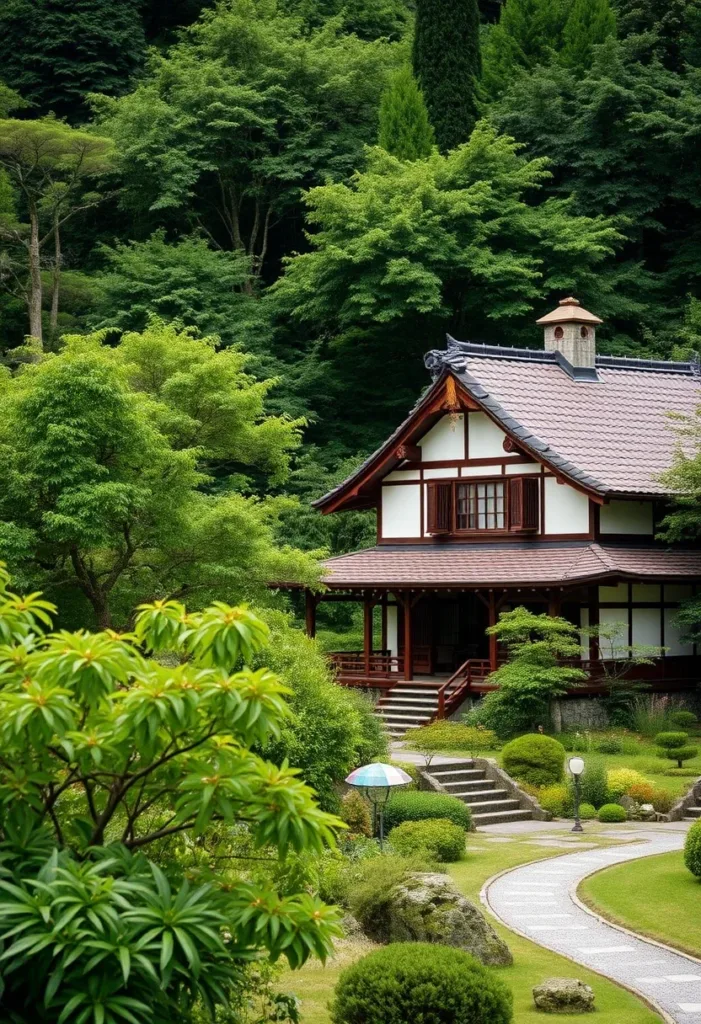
column 231, row 126
column 107, row 753
column 49, row 166
column 55, row 52
column 589, row 23
column 110, row 456
column 405, row 130
column 447, row 65
column 534, row 674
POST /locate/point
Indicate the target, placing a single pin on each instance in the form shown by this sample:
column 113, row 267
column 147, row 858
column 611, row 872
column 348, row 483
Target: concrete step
column 487, row 806
column 479, row 796
column 468, row 785
column 416, row 691
column 693, row 812
column 392, row 716
column 402, row 706
column 499, row 818
column 457, row 775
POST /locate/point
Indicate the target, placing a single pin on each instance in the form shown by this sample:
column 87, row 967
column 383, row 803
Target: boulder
column 563, row 995
column 427, row 907
column 351, row 927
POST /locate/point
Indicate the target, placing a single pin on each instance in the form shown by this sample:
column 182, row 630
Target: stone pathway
column 538, row 900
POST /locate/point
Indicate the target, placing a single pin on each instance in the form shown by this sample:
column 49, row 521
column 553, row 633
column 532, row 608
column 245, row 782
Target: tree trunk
column 35, row 294
column 55, row 278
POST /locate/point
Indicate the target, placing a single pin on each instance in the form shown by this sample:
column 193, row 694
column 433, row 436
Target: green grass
column 314, row 983
column 670, row 909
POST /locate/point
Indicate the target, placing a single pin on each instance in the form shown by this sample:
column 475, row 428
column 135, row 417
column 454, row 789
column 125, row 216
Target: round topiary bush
column 539, row 760
column 683, row 719
column 692, row 849
column 673, row 746
column 437, row 837
column 420, row 806
column 612, row 813
column 418, row 981
column 587, row 812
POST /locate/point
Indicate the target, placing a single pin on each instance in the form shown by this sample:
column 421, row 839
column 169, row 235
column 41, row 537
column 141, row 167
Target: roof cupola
column 571, row 330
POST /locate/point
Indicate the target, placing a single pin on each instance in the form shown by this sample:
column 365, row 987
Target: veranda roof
column 511, row 565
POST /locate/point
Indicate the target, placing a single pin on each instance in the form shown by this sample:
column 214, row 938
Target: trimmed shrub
column 356, row 814
column 411, row 769
column 609, row 745
column 692, row 849
column 420, row 806
column 621, row 780
column 594, row 783
column 612, row 813
column 412, row 981
column 672, row 745
column 587, row 812
column 439, row 838
column 642, row 792
column 537, row 759
column 554, row 799
column 662, row 800
column 682, row 773
column 683, row 719
column 450, row 736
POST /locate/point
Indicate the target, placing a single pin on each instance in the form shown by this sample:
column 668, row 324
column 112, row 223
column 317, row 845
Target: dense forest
column 275, row 201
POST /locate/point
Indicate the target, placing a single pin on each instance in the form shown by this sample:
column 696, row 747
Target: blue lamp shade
column 378, row 775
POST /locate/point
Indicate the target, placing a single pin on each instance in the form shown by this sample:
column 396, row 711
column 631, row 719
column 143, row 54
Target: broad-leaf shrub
column 612, row 813
column 105, row 752
column 356, row 814
column 538, row 760
column 593, row 782
column 622, row 781
column 692, row 849
column 418, row 806
column 415, row 981
column 437, row 838
column 554, row 799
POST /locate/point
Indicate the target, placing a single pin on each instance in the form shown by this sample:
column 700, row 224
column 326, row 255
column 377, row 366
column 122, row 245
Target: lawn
column 485, row 858
column 670, row 909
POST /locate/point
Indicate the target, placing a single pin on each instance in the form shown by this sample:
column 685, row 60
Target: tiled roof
column 613, row 434
column 507, row 564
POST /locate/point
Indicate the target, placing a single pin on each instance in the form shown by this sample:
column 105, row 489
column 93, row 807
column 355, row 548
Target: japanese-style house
column 520, row 477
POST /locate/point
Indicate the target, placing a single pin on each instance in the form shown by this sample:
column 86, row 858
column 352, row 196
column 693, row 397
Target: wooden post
column 554, row 605
column 594, row 649
column 408, row 639
column 383, row 622
column 493, row 649
column 310, row 613
column 367, row 631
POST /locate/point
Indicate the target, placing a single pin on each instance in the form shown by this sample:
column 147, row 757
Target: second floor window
column 481, row 506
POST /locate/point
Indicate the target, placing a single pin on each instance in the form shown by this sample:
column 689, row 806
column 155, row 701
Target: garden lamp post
column 576, row 767
column 375, row 781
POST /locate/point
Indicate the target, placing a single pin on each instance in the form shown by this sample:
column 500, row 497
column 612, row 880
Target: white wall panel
column 678, row 591
column 403, row 474
column 617, row 593
column 401, row 511
column 484, row 438
column 437, row 474
column 646, row 592
column 627, row 517
column 524, row 467
column 615, row 647
column 566, row 510
column 672, row 632
column 647, row 626
column 494, row 470
column 445, row 440
column 392, row 631
column 584, row 637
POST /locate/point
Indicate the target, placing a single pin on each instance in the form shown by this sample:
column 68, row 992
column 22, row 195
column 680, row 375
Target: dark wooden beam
column 408, row 639
column 310, row 603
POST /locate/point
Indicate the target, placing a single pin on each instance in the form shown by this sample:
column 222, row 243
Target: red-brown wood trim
column 367, row 632
column 486, row 537
column 492, row 619
column 408, row 640
column 498, row 460
column 310, row 603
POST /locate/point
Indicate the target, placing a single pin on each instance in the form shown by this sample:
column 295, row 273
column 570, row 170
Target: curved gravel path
column 539, row 901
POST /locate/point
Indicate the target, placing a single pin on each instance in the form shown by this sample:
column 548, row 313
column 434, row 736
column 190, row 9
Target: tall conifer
column 590, row 22
column 405, row 130
column 447, row 65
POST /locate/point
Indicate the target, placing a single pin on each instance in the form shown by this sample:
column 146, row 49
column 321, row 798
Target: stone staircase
column 408, row 706
column 489, row 804
column 693, row 813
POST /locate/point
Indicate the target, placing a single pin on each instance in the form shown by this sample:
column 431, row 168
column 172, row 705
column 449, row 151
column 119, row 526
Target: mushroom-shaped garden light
column 376, row 781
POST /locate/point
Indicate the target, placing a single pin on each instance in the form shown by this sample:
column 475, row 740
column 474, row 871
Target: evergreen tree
column 527, row 33
column 590, row 22
column 672, row 28
column 448, row 65
column 54, row 52
column 405, row 130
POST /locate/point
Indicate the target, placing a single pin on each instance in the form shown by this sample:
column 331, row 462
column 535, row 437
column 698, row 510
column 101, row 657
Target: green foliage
column 446, row 735
column 447, row 65
column 554, row 798
column 692, row 849
column 405, row 130
column 108, row 454
column 421, row 806
column 672, row 746
column 662, row 800
column 356, row 814
column 683, row 719
column 55, row 52
column 534, row 673
column 412, row 770
column 528, row 32
column 538, row 760
column 423, row 981
column 590, row 22
column 107, row 752
column 610, row 745
column 611, row 813
column 587, row 812
column 594, row 782
column 369, row 895
column 624, row 780
column 437, row 839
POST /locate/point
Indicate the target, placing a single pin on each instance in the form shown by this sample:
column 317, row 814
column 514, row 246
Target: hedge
column 437, row 837
column 419, row 806
column 539, row 760
column 612, row 813
column 418, row 981
column 692, row 849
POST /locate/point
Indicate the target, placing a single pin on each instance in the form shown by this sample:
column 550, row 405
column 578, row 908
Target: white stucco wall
column 609, row 617
column 673, row 645
column 445, row 440
column 484, row 438
column 392, row 631
column 631, row 517
column 566, row 510
column 449, row 472
column 401, row 511
column 490, row 470
column 404, row 474
column 647, row 626
column 519, row 468
column 584, row 637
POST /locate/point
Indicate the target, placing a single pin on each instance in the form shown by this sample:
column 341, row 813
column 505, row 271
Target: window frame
column 508, row 528
column 477, row 530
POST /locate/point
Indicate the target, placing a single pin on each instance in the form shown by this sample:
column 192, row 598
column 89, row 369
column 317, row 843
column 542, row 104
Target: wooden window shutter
column 440, row 508
column 524, row 503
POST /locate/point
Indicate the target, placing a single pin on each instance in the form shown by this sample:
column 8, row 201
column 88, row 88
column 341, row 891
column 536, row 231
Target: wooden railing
column 354, row 668
column 454, row 691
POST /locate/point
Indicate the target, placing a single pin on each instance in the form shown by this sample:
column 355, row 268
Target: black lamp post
column 576, row 767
